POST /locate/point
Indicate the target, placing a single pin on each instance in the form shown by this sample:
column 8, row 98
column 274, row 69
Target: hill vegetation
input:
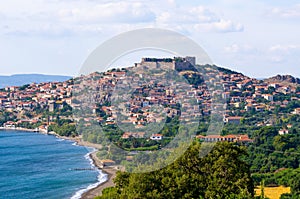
column 221, row 174
column 259, row 109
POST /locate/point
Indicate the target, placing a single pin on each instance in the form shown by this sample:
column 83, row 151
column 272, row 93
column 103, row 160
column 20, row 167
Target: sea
column 37, row 166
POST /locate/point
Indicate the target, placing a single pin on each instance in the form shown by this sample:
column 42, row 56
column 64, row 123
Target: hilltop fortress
column 177, row 63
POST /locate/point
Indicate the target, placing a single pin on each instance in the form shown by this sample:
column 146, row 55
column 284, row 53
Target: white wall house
column 283, row 132
column 156, row 137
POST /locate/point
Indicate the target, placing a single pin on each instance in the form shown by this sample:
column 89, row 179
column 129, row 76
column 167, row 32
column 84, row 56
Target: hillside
column 283, row 79
column 262, row 117
column 22, row 79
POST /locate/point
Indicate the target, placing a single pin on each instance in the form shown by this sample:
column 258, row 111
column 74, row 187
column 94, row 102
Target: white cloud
column 222, row 26
column 277, row 59
column 281, row 53
column 171, row 2
column 187, row 15
column 80, row 17
column 62, row 18
column 292, row 12
column 227, row 26
column 119, row 12
column 202, row 14
column 283, row 48
column 236, row 48
column 199, row 19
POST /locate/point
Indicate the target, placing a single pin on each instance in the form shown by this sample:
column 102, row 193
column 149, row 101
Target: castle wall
column 179, row 64
column 165, row 65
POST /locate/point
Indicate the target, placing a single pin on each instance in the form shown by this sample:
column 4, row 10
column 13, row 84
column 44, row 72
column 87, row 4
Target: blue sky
column 258, row 38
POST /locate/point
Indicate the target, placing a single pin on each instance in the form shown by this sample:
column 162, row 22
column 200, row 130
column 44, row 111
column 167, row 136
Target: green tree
column 295, row 185
column 262, row 187
column 220, row 174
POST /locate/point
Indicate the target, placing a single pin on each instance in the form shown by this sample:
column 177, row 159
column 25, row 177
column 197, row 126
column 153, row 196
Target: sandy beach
column 110, row 171
column 78, row 140
column 111, row 174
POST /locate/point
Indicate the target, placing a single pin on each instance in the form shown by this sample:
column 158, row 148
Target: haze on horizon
column 259, row 39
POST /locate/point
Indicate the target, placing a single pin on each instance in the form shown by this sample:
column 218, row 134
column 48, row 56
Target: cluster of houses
column 208, row 138
column 226, row 138
column 239, row 92
column 155, row 92
column 14, row 98
column 128, row 135
column 19, row 100
column 246, row 93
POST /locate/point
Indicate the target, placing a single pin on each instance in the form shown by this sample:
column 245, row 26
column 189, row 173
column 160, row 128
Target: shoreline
column 78, row 139
column 22, row 129
column 110, row 172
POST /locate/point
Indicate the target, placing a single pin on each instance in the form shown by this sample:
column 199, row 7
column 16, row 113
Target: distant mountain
column 22, row 79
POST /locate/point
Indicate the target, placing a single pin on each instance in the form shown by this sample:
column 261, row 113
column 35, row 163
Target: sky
column 257, row 38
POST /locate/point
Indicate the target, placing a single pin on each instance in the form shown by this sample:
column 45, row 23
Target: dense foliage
column 68, row 130
column 220, row 174
column 271, row 151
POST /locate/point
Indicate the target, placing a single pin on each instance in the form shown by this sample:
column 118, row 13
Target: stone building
column 177, row 63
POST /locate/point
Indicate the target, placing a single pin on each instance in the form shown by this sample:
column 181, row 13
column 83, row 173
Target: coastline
column 110, row 172
column 23, row 129
column 78, row 139
column 110, row 175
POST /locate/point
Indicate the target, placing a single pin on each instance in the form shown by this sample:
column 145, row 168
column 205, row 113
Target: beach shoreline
column 110, row 172
column 77, row 139
column 22, row 129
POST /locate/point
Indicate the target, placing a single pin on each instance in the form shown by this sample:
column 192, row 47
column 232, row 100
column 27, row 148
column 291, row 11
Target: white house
column 296, row 111
column 233, row 120
column 156, row 137
column 9, row 124
column 283, row 132
column 268, row 97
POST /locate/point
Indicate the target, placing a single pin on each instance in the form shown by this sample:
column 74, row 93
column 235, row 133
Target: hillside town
column 36, row 105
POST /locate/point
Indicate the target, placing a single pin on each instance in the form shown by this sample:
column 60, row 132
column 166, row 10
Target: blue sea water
column 36, row 166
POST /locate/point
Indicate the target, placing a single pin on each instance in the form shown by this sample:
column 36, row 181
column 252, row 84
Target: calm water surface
column 37, row 166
